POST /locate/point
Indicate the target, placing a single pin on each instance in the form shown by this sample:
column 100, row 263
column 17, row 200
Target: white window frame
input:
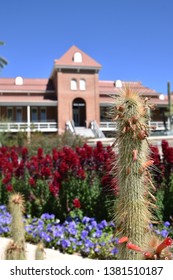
column 77, row 57
column 73, row 84
column 82, row 84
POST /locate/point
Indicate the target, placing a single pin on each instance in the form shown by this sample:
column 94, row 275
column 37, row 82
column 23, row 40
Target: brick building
column 72, row 98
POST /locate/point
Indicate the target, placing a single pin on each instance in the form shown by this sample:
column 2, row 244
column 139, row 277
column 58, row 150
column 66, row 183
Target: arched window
column 19, row 81
column 73, row 84
column 77, row 57
column 82, row 84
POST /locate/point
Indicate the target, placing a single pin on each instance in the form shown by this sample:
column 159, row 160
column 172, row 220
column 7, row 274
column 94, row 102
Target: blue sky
column 131, row 39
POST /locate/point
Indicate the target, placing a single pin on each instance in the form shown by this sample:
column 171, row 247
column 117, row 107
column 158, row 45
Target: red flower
column 45, row 171
column 6, row 179
column 32, row 181
column 54, row 188
column 133, row 247
column 24, row 151
column 40, row 153
column 63, row 167
column 76, row 203
column 57, row 175
column 167, row 242
column 9, row 188
column 81, row 174
column 55, row 155
column 123, row 239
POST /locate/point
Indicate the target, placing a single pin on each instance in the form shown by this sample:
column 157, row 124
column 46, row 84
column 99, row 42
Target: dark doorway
column 79, row 112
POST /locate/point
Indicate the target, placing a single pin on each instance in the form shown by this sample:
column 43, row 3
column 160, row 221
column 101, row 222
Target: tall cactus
column 132, row 213
column 16, row 248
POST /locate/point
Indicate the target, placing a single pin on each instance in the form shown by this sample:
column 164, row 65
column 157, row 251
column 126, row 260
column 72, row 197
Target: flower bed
column 76, row 178
column 60, row 181
column 84, row 235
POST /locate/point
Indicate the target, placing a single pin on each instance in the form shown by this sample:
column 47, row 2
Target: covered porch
column 28, row 117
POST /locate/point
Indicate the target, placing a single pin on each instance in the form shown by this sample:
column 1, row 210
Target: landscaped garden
column 69, row 198
column 97, row 202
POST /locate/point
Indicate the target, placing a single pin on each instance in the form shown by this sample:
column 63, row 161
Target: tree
column 3, row 61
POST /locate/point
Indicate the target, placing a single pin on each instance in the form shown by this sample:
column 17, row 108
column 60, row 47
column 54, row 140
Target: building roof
column 111, row 88
column 26, row 100
column 25, row 85
column 68, row 60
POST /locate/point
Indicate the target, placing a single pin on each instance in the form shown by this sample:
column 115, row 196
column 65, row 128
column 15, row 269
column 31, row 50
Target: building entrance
column 79, row 112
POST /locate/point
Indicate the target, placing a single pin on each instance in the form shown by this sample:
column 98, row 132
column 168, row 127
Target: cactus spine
column 16, row 248
column 132, row 215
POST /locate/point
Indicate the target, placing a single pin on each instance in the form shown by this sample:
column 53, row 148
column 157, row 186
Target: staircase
column 84, row 132
column 93, row 132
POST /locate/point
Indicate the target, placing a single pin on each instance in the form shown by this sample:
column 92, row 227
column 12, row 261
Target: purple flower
column 72, row 239
column 79, row 243
column 3, row 207
column 114, row 251
column 164, row 233
column 72, row 230
column 85, row 220
column 111, row 224
column 93, row 224
column 96, row 249
column 103, row 224
column 86, row 250
column 89, row 227
column 84, row 234
column 58, row 232
column 97, row 234
column 157, row 231
column 45, row 236
column 47, row 216
column 89, row 244
column 166, row 224
column 65, row 243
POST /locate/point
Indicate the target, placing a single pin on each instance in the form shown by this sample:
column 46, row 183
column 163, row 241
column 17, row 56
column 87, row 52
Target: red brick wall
column 66, row 96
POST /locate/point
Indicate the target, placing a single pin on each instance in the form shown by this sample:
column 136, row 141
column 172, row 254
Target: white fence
column 22, row 126
column 155, row 126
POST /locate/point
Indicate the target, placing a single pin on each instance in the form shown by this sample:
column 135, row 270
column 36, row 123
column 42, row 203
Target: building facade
column 72, row 98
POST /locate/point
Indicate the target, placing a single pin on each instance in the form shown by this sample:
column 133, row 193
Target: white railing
column 159, row 126
column 70, row 127
column 52, row 126
column 22, row 126
column 107, row 126
column 96, row 130
column 155, row 126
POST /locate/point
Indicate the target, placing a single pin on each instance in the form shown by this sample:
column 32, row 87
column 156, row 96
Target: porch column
column 28, row 123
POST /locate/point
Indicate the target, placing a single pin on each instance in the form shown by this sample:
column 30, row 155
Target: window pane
column 43, row 114
column 73, row 85
column 34, row 115
column 78, row 57
column 82, row 85
column 10, row 113
column 19, row 114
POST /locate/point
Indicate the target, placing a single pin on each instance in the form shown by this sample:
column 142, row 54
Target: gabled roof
column 67, row 60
